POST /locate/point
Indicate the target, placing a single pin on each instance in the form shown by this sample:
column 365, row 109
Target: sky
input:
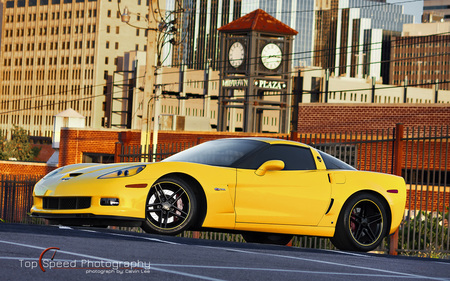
column 412, row 7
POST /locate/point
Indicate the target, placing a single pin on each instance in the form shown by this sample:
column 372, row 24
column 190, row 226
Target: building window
column 108, row 29
column 107, row 44
column 106, row 60
column 117, row 45
column 117, row 29
column 98, row 158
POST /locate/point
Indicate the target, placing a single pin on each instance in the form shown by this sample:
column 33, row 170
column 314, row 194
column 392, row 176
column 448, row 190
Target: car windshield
column 224, row 152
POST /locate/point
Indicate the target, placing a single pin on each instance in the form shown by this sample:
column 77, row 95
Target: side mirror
column 271, row 165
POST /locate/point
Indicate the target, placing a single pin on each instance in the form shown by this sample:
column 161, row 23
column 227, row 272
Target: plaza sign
column 270, row 84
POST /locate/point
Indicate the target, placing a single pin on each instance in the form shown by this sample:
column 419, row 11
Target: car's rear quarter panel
column 347, row 183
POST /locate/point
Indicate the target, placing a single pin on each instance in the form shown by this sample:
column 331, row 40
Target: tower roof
column 258, row 20
column 69, row 113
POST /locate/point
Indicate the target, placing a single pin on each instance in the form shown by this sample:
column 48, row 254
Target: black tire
column 171, row 207
column 267, row 238
column 362, row 224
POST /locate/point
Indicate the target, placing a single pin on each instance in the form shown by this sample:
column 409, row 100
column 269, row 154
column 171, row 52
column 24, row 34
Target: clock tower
column 255, row 70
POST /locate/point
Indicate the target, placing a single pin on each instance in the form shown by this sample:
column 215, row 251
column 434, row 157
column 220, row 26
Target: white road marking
column 64, row 227
column 290, row 271
column 139, row 237
column 345, row 253
column 111, row 260
column 243, row 268
column 383, row 273
column 329, row 263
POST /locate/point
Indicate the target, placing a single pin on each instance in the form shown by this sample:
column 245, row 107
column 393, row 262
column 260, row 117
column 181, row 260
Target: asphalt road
column 105, row 254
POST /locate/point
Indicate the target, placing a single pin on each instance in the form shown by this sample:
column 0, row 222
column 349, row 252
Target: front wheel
column 362, row 224
column 171, row 207
column 267, row 238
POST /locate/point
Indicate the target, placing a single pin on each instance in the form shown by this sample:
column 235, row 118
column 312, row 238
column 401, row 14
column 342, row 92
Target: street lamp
column 125, row 17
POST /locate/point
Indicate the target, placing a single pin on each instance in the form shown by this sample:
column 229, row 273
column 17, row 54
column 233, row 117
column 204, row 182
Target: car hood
column 78, row 171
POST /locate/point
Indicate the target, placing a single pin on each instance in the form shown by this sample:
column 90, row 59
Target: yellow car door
column 296, row 193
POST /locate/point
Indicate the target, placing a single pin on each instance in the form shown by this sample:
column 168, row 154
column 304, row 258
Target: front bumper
column 87, row 219
column 89, row 210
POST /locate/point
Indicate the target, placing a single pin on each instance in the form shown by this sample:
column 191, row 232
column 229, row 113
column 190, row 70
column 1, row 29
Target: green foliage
column 19, row 147
column 428, row 232
column 2, row 146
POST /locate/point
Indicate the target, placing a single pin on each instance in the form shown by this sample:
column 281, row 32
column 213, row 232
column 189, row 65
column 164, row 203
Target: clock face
column 271, row 56
column 236, row 54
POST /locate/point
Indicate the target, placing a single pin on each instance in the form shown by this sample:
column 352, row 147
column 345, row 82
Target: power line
column 312, row 70
column 400, row 39
column 323, row 51
column 215, row 80
column 378, row 4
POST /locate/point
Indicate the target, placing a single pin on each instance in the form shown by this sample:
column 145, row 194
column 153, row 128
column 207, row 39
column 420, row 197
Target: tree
column 2, row 146
column 19, row 147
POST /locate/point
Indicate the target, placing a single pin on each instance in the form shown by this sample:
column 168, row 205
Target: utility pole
column 157, row 110
column 436, row 91
column 159, row 26
column 150, row 70
column 206, row 88
column 182, row 97
column 405, row 90
column 327, row 78
column 373, row 90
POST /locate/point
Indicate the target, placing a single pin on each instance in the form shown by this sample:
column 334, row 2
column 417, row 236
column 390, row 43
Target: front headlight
column 124, row 172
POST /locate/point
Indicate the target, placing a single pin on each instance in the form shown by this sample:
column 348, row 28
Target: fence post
column 397, row 170
column 117, row 152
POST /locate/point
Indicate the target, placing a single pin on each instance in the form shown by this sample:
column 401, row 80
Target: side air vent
column 72, row 175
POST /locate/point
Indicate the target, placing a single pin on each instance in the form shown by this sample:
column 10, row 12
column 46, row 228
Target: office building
column 59, row 54
column 352, row 37
column 438, row 9
column 421, row 57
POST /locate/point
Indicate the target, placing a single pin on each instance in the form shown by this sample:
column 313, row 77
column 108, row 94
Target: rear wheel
column 171, row 207
column 362, row 224
column 267, row 238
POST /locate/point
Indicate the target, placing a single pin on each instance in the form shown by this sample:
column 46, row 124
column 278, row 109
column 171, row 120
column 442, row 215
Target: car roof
column 270, row 141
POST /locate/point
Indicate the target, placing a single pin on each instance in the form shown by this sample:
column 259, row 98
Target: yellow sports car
column 266, row 189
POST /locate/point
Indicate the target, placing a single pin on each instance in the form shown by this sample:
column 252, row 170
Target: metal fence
column 144, row 153
column 420, row 155
column 424, row 163
column 16, row 193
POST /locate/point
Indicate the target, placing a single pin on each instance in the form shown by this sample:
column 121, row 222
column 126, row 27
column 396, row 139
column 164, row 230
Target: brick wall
column 433, row 199
column 74, row 142
column 200, row 137
column 336, row 118
column 24, row 168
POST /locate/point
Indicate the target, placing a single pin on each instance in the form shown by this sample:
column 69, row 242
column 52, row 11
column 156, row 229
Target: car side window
column 294, row 157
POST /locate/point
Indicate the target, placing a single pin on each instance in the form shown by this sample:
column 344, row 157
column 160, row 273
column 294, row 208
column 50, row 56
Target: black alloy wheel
column 362, row 225
column 171, row 207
